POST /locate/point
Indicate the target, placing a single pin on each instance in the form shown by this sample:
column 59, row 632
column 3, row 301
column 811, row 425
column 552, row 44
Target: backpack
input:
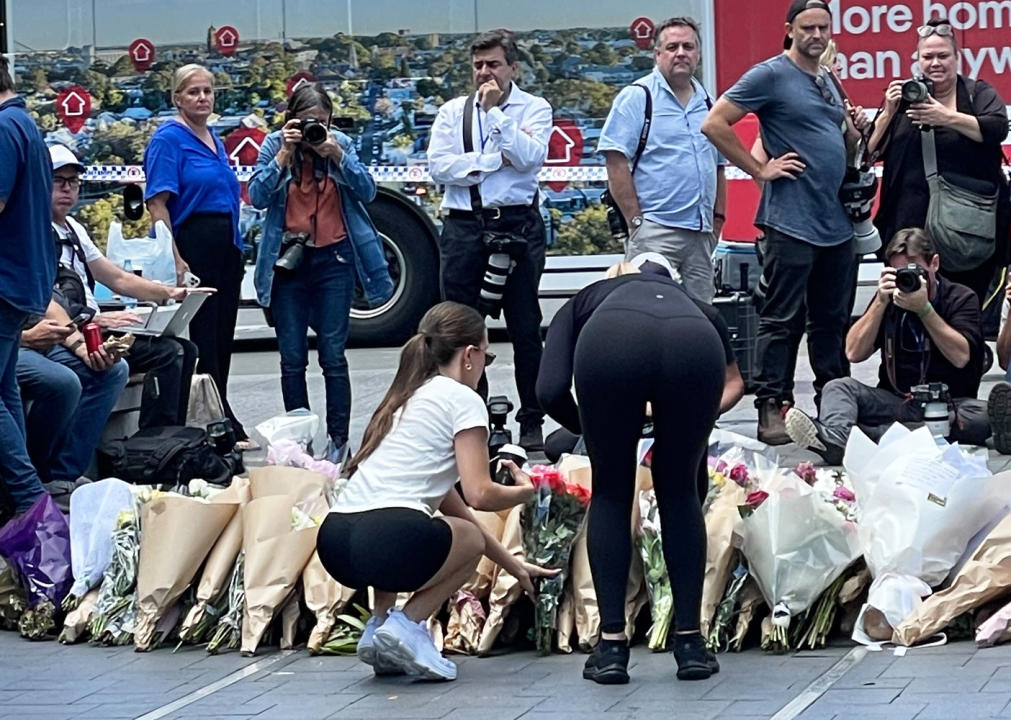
column 166, row 455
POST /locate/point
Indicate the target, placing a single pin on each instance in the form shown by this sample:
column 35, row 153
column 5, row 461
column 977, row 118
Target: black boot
column 608, row 665
column 771, row 428
column 531, row 436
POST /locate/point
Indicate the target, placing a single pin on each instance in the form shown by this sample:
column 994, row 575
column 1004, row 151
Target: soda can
column 92, row 336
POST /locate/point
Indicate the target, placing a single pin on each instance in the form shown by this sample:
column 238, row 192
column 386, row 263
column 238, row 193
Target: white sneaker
column 409, row 645
column 368, row 654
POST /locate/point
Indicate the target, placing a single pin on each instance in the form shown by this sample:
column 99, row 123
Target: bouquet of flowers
column 93, row 511
column 661, row 596
column 12, row 597
column 326, row 599
column 112, row 621
column 230, row 608
column 550, row 522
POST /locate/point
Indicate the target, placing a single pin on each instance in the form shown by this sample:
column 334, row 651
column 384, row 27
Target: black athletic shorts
column 390, row 549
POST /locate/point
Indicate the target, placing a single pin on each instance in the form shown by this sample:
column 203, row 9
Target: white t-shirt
column 70, row 259
column 415, row 464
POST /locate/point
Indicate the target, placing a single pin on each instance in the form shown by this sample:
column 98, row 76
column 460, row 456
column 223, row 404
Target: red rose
column 739, row 474
column 756, row 498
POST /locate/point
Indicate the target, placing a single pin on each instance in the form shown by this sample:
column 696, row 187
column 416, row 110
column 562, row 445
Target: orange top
column 314, row 207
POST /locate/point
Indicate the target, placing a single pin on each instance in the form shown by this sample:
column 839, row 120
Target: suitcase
column 738, row 312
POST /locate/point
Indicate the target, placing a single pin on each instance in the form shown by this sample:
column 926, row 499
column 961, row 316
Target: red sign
column 73, row 105
column 141, row 52
column 243, row 145
column 226, row 38
column 877, row 40
column 565, row 148
column 641, row 31
column 299, row 79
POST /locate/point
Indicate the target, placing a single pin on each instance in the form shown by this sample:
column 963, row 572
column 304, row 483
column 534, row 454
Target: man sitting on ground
column 167, row 361
column 932, row 334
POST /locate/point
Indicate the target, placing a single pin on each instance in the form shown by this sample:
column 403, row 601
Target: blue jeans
column 17, row 475
column 316, row 295
column 70, row 405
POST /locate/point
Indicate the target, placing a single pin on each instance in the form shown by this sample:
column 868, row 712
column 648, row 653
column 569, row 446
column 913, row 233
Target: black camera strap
column 893, row 327
column 647, row 122
column 468, row 146
column 77, row 250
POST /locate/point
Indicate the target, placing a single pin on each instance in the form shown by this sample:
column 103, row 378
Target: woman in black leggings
column 627, row 341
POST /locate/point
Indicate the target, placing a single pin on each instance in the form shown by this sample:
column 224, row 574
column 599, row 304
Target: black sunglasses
column 823, row 88
column 489, row 356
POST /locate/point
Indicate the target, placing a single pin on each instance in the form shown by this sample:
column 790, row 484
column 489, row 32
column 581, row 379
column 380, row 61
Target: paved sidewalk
column 46, row 680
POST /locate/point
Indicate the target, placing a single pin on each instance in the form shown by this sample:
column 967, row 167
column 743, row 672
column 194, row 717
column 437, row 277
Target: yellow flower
column 719, row 479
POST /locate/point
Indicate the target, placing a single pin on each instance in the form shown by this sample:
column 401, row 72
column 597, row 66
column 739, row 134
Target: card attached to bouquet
column 934, row 476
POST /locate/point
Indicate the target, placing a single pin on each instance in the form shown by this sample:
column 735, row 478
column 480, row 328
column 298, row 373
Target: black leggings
column 623, row 359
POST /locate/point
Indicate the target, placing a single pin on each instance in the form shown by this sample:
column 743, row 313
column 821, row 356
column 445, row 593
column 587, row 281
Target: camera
column 615, row 220
column 292, row 250
column 935, row 400
column 222, row 437
column 857, row 196
column 499, row 407
column 504, row 250
column 314, row 132
column 907, row 279
column 915, row 91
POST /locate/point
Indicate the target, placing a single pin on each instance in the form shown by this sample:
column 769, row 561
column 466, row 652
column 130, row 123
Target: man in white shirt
column 487, row 149
column 675, row 202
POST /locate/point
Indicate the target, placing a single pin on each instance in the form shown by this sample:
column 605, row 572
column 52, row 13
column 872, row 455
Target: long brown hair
column 443, row 330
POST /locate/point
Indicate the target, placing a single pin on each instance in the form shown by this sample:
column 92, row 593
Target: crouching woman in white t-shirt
column 430, row 430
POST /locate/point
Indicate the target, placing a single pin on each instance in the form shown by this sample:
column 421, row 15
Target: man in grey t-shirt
column 809, row 262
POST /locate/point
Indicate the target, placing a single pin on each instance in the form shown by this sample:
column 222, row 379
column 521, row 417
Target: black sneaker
column 608, row 665
column 531, row 437
column 808, row 433
column 695, row 661
column 998, row 410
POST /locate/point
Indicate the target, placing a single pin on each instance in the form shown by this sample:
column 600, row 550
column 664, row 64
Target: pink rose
column 844, row 493
column 756, row 498
column 806, row 472
column 739, row 474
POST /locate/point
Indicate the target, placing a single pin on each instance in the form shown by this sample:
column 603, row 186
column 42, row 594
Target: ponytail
column 443, row 330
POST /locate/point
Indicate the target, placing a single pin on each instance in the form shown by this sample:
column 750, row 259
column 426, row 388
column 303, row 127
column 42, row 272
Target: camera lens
column 907, row 280
column 314, row 132
column 914, row 91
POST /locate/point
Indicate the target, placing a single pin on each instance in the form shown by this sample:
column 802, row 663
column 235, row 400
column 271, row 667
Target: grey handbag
column 962, row 222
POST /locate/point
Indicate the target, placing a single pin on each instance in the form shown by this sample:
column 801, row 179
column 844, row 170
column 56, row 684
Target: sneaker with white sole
column 409, row 645
column 808, row 433
column 368, row 654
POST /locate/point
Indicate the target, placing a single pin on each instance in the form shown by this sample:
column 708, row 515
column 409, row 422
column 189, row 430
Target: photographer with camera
column 317, row 240
column 429, row 432
column 960, row 124
column 928, row 331
column 666, row 180
column 487, row 149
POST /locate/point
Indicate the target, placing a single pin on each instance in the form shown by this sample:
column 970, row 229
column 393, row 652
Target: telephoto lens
column 493, row 284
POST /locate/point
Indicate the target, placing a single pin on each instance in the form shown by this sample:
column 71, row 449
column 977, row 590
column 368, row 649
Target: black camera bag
column 164, row 455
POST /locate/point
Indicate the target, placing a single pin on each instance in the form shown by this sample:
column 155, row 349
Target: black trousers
column 677, row 364
column 464, row 258
column 807, row 287
column 206, row 243
column 168, row 364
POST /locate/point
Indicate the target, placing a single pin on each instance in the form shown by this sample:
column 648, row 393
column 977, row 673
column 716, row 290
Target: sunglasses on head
column 944, row 30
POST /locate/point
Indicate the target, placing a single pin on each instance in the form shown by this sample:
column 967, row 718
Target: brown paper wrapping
column 565, row 623
column 218, row 568
column 325, row 598
column 176, row 533
column 76, row 624
column 297, row 483
column 275, row 558
column 721, row 521
column 289, row 620
column 985, row 576
column 749, row 602
column 506, row 589
column 467, row 613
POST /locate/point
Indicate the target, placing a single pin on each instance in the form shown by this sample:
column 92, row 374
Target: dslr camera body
column 914, row 91
column 499, row 407
column 292, row 250
column 907, row 279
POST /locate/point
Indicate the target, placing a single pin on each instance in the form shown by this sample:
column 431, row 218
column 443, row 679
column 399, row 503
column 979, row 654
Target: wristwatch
column 637, row 221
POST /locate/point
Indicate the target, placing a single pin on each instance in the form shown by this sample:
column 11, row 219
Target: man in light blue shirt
column 674, row 201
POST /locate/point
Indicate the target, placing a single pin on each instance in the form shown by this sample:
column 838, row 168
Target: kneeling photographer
column 317, row 241
column 928, row 331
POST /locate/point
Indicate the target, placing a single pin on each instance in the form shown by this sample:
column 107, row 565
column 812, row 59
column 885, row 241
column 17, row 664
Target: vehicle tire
column 413, row 258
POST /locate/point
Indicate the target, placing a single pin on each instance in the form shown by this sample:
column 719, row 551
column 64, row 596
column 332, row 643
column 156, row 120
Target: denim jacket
column 268, row 189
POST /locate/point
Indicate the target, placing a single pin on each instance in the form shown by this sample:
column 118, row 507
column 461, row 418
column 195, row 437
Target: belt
column 492, row 213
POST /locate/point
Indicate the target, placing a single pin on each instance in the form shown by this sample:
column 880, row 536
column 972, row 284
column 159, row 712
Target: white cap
column 62, row 156
column 657, row 259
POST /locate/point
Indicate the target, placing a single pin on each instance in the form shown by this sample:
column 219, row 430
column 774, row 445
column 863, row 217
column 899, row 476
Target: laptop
column 168, row 320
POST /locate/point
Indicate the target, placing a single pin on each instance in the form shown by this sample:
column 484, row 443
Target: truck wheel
column 414, row 266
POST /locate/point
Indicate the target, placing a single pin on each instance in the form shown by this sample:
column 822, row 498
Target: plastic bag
column 300, row 426
column 37, row 545
column 93, row 512
column 152, row 256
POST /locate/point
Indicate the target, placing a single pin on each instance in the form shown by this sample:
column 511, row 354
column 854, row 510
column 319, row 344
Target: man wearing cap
column 27, row 267
column 167, row 362
column 808, row 245
column 672, row 192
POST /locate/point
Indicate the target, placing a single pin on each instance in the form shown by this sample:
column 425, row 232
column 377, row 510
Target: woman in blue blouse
column 314, row 190
column 193, row 189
